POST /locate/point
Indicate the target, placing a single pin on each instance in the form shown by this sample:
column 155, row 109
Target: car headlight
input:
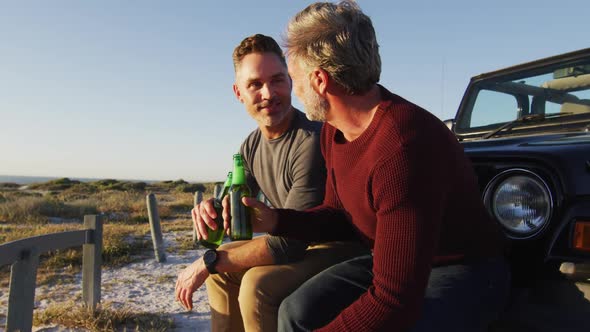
column 520, row 201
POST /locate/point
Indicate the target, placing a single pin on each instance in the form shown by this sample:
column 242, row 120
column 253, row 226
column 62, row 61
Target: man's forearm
column 247, row 255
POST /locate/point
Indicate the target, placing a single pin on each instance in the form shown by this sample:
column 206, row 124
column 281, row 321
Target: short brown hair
column 257, row 43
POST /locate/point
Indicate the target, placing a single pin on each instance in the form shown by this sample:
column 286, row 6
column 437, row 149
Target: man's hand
column 265, row 218
column 204, row 217
column 189, row 280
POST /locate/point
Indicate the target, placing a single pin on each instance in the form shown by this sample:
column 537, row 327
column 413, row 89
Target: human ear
column 319, row 81
column 237, row 93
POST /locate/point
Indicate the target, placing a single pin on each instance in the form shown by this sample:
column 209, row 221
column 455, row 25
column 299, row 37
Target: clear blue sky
column 142, row 89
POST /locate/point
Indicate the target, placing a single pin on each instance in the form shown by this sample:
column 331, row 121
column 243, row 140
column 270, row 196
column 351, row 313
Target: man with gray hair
column 397, row 179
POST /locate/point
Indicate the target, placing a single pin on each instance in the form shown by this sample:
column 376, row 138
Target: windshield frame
column 510, row 76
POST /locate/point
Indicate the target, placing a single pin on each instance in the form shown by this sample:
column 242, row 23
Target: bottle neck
column 238, row 176
column 226, row 186
column 227, row 183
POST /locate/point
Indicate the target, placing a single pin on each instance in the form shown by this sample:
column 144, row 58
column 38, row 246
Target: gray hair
column 338, row 38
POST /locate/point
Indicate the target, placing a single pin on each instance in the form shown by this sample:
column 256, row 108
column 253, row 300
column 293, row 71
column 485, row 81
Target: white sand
column 148, row 286
column 145, row 286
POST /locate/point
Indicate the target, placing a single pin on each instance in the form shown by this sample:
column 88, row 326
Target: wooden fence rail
column 23, row 255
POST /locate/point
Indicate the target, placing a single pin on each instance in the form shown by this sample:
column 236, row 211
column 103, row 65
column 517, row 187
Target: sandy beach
column 144, row 286
column 148, row 286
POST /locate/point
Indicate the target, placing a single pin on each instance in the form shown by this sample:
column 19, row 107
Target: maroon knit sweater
column 407, row 189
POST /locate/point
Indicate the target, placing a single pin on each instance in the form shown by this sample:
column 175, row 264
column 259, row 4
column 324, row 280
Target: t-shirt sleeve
column 250, row 179
column 308, row 174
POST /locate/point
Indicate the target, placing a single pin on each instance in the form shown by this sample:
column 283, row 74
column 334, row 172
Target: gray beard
column 315, row 106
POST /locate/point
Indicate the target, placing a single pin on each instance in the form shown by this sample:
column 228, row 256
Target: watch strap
column 209, row 261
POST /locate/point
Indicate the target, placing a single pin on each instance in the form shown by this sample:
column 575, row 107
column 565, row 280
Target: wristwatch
column 210, row 259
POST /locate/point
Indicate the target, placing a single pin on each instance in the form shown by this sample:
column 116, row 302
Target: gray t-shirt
column 290, row 172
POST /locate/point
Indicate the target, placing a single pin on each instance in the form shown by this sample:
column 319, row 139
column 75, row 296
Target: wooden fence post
column 217, row 190
column 92, row 262
column 152, row 206
column 21, row 296
column 197, row 200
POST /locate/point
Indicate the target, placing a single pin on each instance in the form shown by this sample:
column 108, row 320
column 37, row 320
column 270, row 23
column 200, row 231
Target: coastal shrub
column 62, row 258
column 34, row 209
column 26, row 210
column 138, row 220
column 163, row 185
column 181, row 207
column 59, row 184
column 122, row 243
column 12, row 232
column 26, row 213
column 80, row 190
column 76, row 209
column 180, row 186
column 104, row 318
column 9, row 186
column 120, row 201
column 105, row 183
column 110, row 184
column 13, row 195
column 189, row 187
column 136, row 186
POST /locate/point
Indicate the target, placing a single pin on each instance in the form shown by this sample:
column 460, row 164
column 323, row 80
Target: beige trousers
column 249, row 300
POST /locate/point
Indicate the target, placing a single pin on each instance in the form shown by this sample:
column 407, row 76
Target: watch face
column 210, row 257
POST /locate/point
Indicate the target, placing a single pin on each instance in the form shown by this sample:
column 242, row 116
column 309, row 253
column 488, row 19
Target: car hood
column 567, row 155
column 552, row 140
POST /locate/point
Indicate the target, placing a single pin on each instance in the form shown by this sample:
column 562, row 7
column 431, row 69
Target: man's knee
column 222, row 287
column 254, row 288
column 293, row 315
column 217, row 281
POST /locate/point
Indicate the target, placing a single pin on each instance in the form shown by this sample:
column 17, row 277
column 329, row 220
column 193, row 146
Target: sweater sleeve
column 322, row 223
column 408, row 199
column 326, row 222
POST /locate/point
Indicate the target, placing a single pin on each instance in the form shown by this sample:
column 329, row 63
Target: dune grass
column 60, row 205
column 104, row 318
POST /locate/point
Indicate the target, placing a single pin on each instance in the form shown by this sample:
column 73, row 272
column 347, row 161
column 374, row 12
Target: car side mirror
column 449, row 123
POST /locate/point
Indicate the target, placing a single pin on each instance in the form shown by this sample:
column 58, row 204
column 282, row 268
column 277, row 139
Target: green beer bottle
column 214, row 237
column 241, row 225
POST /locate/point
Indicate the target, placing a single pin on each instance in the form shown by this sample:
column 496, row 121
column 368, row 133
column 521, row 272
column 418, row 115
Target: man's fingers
column 187, row 299
column 207, row 211
column 226, row 208
column 182, row 302
column 226, row 214
column 201, row 227
column 195, row 213
column 210, row 208
column 253, row 202
column 182, row 298
column 265, row 217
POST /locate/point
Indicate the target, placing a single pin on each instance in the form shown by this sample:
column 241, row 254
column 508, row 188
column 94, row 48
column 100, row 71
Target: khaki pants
column 249, row 300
